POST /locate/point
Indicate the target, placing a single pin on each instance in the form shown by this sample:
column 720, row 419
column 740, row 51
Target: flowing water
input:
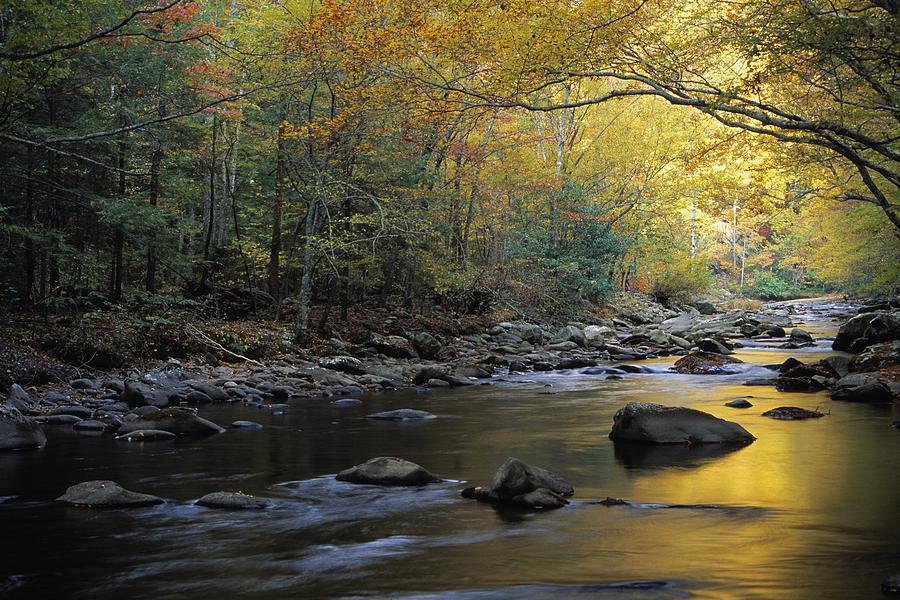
column 810, row 510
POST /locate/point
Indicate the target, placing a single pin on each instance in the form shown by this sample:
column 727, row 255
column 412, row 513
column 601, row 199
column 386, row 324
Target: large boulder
column 392, row 345
column 215, row 393
column 516, row 482
column 426, row 344
column 681, row 324
column 862, row 387
column 570, row 333
column 705, row 363
column 232, row 501
column 344, row 364
column 852, row 329
column 18, row 432
column 175, row 420
column 656, row 424
column 877, row 356
column 387, row 470
column 530, row 333
column 106, row 494
column 19, row 398
column 139, row 394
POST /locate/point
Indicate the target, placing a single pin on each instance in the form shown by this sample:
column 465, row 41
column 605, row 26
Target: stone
column 82, row 412
column 518, row 483
column 570, row 333
column 392, row 345
column 705, row 308
column 426, row 344
column 216, row 393
column 106, row 494
column 862, row 387
column 388, row 471
column 179, row 421
column 401, row 414
column 147, row 435
column 575, row 363
column 792, row 413
column 800, row 335
column 90, row 425
column 232, row 501
column 84, row 384
column 705, row 363
column 739, row 403
column 851, row 330
column 876, row 356
column 17, row 431
column 138, row 394
column 59, row 419
column 425, row 372
column 891, row 585
column 198, row 397
column 246, row 425
column 19, row 398
column 713, row 346
column 656, row 424
column 344, row 364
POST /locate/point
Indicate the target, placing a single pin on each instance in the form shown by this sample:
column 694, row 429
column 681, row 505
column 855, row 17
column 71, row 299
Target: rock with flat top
column 388, row 471
column 106, row 494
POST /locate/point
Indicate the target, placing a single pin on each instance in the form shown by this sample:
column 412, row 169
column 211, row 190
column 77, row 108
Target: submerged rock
column 656, row 424
column 106, row 494
column 246, row 425
column 232, row 501
column 705, row 363
column 147, row 435
column 891, row 585
column 739, row 403
column 18, row 432
column 792, row 413
column 176, row 420
column 516, row 482
column 389, row 471
column 401, row 414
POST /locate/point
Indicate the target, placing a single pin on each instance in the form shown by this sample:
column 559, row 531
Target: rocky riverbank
column 138, row 404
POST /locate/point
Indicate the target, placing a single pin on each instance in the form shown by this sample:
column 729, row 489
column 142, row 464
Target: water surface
column 807, row 511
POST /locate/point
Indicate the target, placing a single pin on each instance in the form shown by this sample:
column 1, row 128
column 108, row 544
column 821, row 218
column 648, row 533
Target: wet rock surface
column 106, row 494
column 518, row 483
column 649, row 423
column 388, row 471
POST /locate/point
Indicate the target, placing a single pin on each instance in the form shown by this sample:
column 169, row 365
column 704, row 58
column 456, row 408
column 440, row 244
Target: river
column 810, row 510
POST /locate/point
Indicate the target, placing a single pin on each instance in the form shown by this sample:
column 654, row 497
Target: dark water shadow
column 634, row 455
column 659, row 589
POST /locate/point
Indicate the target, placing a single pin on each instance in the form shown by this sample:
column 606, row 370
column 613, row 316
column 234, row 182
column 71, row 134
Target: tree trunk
column 304, row 293
column 28, row 296
column 277, row 207
column 210, row 228
column 155, row 164
column 119, row 236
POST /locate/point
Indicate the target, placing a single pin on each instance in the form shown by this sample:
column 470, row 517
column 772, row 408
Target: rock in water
column 792, row 413
column 387, row 470
column 656, row 424
column 106, row 494
column 891, row 585
column 147, row 435
column 705, row 363
column 232, row 501
column 739, row 403
column 402, row 414
column 516, row 482
column 18, row 432
column 246, row 425
column 176, row 420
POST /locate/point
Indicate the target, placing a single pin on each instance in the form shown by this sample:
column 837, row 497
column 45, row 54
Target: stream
column 810, row 510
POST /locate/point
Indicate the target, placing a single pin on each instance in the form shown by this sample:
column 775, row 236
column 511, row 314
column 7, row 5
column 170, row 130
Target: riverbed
column 810, row 510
